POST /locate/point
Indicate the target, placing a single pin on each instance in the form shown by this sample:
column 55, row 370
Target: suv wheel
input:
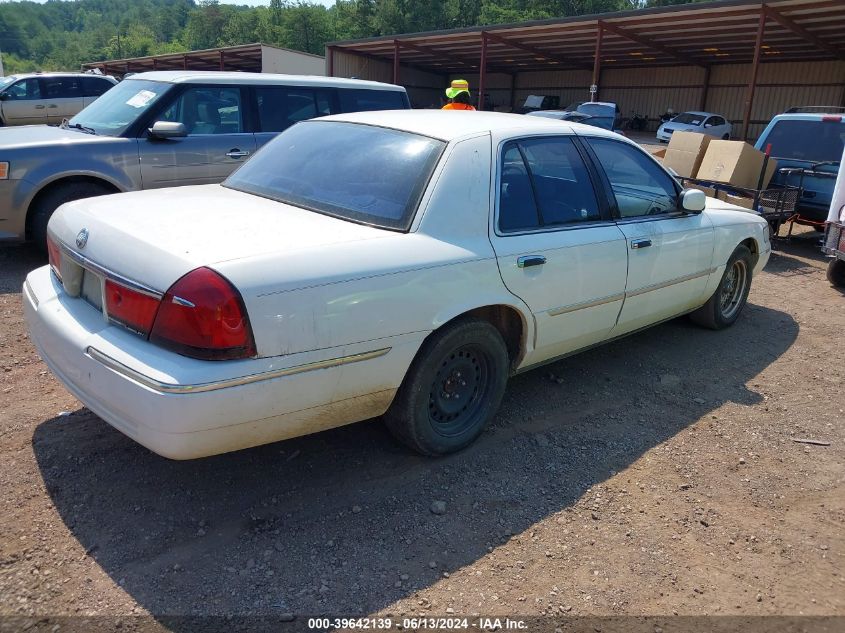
column 44, row 207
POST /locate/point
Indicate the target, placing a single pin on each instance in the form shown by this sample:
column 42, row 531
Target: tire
column 726, row 304
column 836, row 273
column 726, row 137
column 426, row 414
column 45, row 205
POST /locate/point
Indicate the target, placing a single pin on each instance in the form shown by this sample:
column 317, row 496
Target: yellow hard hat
column 458, row 86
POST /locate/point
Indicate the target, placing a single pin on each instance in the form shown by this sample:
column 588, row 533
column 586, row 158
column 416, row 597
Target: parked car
column 163, row 129
column 436, row 255
column 808, row 147
column 39, row 98
column 601, row 114
column 701, row 122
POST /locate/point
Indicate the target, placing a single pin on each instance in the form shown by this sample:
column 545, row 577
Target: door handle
column 40, row 107
column 530, row 260
column 53, row 106
column 640, row 243
column 236, row 153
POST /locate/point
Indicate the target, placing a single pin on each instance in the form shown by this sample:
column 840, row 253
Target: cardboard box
column 685, row 153
column 740, row 201
column 735, row 163
column 710, row 192
column 659, row 154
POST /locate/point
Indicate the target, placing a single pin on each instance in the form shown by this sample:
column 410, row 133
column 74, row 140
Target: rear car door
column 279, row 107
column 556, row 245
column 218, row 139
column 670, row 251
column 62, row 96
column 22, row 104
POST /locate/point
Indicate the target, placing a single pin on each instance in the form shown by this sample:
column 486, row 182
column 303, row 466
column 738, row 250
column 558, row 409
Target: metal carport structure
column 703, row 48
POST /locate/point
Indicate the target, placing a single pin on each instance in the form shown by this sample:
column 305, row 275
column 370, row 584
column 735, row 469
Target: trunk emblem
column 82, row 238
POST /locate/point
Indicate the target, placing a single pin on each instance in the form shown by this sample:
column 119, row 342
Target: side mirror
column 693, row 200
column 168, row 129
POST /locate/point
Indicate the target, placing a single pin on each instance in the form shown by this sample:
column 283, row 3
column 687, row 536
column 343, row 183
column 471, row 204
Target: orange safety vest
column 457, row 106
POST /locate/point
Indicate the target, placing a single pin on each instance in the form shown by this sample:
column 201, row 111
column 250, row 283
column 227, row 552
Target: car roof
column 452, row 125
column 806, row 116
column 609, row 104
column 56, row 74
column 219, row 77
column 699, row 113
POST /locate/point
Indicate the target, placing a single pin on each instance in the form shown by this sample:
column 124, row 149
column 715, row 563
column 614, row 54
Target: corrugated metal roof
column 701, row 34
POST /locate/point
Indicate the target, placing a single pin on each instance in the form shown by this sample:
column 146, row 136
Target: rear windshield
column 689, row 119
column 813, row 141
column 362, row 173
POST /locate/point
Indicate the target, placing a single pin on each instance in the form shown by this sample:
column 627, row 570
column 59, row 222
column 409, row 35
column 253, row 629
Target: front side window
column 279, row 107
column 95, row 86
column 114, row 112
column 379, row 182
column 207, row 110
column 641, row 187
column 24, row 90
column 545, row 183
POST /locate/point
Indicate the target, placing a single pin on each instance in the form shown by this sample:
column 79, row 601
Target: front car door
column 670, row 251
column 22, row 103
column 218, row 139
column 556, row 245
column 62, row 97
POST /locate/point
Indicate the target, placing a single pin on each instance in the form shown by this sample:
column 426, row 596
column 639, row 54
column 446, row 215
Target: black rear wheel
column 452, row 389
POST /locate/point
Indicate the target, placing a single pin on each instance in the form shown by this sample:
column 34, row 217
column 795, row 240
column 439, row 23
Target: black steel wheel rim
column 459, row 390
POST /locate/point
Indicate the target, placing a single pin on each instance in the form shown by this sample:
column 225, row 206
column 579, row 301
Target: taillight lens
column 54, row 254
column 131, row 308
column 203, row 316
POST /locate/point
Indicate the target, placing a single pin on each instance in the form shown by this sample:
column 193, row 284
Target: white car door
column 717, row 126
column 556, row 245
column 23, row 104
column 670, row 252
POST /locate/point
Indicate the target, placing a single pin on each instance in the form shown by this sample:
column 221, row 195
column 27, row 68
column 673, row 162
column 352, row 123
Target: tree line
column 62, row 34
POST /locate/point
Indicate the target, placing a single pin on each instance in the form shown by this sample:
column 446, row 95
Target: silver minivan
column 36, row 99
column 163, row 129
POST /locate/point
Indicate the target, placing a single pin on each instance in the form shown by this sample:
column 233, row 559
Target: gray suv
column 48, row 97
column 163, row 129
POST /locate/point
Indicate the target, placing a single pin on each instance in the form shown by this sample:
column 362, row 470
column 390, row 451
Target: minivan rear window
column 358, row 100
column 379, row 181
column 808, row 140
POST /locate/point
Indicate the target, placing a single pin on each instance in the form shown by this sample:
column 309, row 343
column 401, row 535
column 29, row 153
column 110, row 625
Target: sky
column 252, row 3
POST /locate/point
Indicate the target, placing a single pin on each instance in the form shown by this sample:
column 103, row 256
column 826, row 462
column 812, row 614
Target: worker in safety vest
column 458, row 94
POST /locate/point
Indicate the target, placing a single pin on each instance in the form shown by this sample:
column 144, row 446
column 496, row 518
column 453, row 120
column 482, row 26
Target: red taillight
column 131, row 308
column 54, row 254
column 203, row 316
column 833, row 119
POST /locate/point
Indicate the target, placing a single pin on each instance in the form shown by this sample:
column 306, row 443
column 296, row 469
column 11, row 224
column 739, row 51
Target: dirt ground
column 657, row 475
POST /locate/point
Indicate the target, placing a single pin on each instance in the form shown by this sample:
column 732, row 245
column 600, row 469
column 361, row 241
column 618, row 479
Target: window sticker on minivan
column 141, row 99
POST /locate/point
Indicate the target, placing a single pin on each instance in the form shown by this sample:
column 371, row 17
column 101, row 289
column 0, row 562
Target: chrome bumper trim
column 163, row 387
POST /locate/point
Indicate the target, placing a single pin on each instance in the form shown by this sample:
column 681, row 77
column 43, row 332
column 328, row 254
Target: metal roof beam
column 468, row 61
column 649, row 43
column 799, row 30
column 538, row 52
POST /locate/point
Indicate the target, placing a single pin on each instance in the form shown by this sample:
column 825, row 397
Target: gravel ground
column 657, row 475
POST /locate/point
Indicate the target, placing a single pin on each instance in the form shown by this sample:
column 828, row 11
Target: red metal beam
column 649, row 43
column 597, row 61
column 538, row 52
column 752, row 84
column 799, row 30
column 222, row 62
column 395, row 61
column 482, row 71
column 330, row 60
column 704, row 90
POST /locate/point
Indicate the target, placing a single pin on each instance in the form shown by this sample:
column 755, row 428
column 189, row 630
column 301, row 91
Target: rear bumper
column 183, row 408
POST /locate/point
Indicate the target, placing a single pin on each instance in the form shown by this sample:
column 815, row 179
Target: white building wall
column 285, row 61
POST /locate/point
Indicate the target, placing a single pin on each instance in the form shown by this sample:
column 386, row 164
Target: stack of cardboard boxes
column 730, row 163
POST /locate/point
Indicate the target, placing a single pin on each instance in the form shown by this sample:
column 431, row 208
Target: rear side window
column 61, row 87
column 279, row 107
column 814, row 141
column 357, row 100
column 545, row 183
column 95, row 86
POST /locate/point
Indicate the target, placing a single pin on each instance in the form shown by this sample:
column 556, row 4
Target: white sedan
column 402, row 264
column 701, row 122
